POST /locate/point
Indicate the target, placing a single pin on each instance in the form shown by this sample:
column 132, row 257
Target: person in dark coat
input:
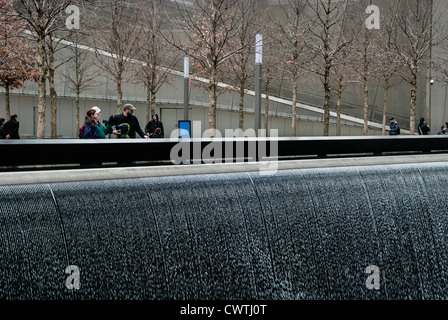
column 423, row 128
column 394, row 128
column 11, row 128
column 128, row 118
column 2, row 125
column 154, row 124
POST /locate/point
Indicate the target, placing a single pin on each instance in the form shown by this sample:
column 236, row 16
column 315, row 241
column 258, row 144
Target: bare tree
column 80, row 75
column 342, row 76
column 327, row 37
column 422, row 25
column 42, row 18
column 155, row 52
column 208, row 28
column 291, row 28
column 241, row 64
column 365, row 54
column 387, row 62
column 117, row 41
column 17, row 58
column 271, row 66
column 53, row 46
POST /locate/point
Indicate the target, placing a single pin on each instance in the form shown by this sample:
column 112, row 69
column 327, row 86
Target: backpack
column 124, row 129
column 81, row 130
column 398, row 130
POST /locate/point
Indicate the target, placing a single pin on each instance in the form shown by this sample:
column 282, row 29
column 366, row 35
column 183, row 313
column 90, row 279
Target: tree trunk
column 119, row 96
column 241, row 108
column 148, row 103
column 413, row 100
column 338, row 113
column 53, row 93
column 78, row 125
column 41, row 104
column 294, row 106
column 213, row 101
column 386, row 91
column 266, row 111
column 366, row 104
column 153, row 101
column 7, row 102
column 327, row 91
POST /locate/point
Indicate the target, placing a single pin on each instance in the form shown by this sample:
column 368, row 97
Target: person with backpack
column 89, row 129
column 423, row 128
column 394, row 128
column 126, row 124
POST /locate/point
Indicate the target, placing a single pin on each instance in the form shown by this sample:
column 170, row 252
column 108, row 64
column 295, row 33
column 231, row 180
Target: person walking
column 394, row 128
column 126, row 124
column 423, row 128
column 11, row 128
column 155, row 125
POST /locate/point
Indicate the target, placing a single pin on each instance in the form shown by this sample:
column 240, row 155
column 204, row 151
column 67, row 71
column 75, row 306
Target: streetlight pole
column 429, row 81
column 258, row 80
column 186, row 86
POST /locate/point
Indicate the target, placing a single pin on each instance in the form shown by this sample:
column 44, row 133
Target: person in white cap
column 128, row 118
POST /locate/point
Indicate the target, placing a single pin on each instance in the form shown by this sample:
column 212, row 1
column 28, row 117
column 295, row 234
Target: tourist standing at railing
column 125, row 120
column 99, row 125
column 423, row 128
column 11, row 128
column 152, row 127
column 89, row 129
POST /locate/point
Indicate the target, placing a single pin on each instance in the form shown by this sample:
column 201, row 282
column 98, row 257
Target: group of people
column 423, row 128
column 124, row 125
column 9, row 129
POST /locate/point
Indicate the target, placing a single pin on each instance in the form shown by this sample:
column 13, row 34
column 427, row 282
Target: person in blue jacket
column 394, row 128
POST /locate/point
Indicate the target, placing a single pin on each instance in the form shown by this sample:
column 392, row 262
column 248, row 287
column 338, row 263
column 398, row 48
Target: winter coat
column 394, row 129
column 11, row 127
column 101, row 130
column 153, row 125
column 2, row 132
column 117, row 120
column 423, row 129
column 89, row 131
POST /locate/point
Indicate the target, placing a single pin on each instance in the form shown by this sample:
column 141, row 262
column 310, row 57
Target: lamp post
column 186, row 86
column 258, row 80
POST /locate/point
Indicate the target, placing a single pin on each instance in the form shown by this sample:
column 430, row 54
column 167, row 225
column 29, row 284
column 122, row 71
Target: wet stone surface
column 300, row 234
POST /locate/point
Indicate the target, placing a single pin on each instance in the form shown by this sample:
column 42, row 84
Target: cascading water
column 299, row 234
